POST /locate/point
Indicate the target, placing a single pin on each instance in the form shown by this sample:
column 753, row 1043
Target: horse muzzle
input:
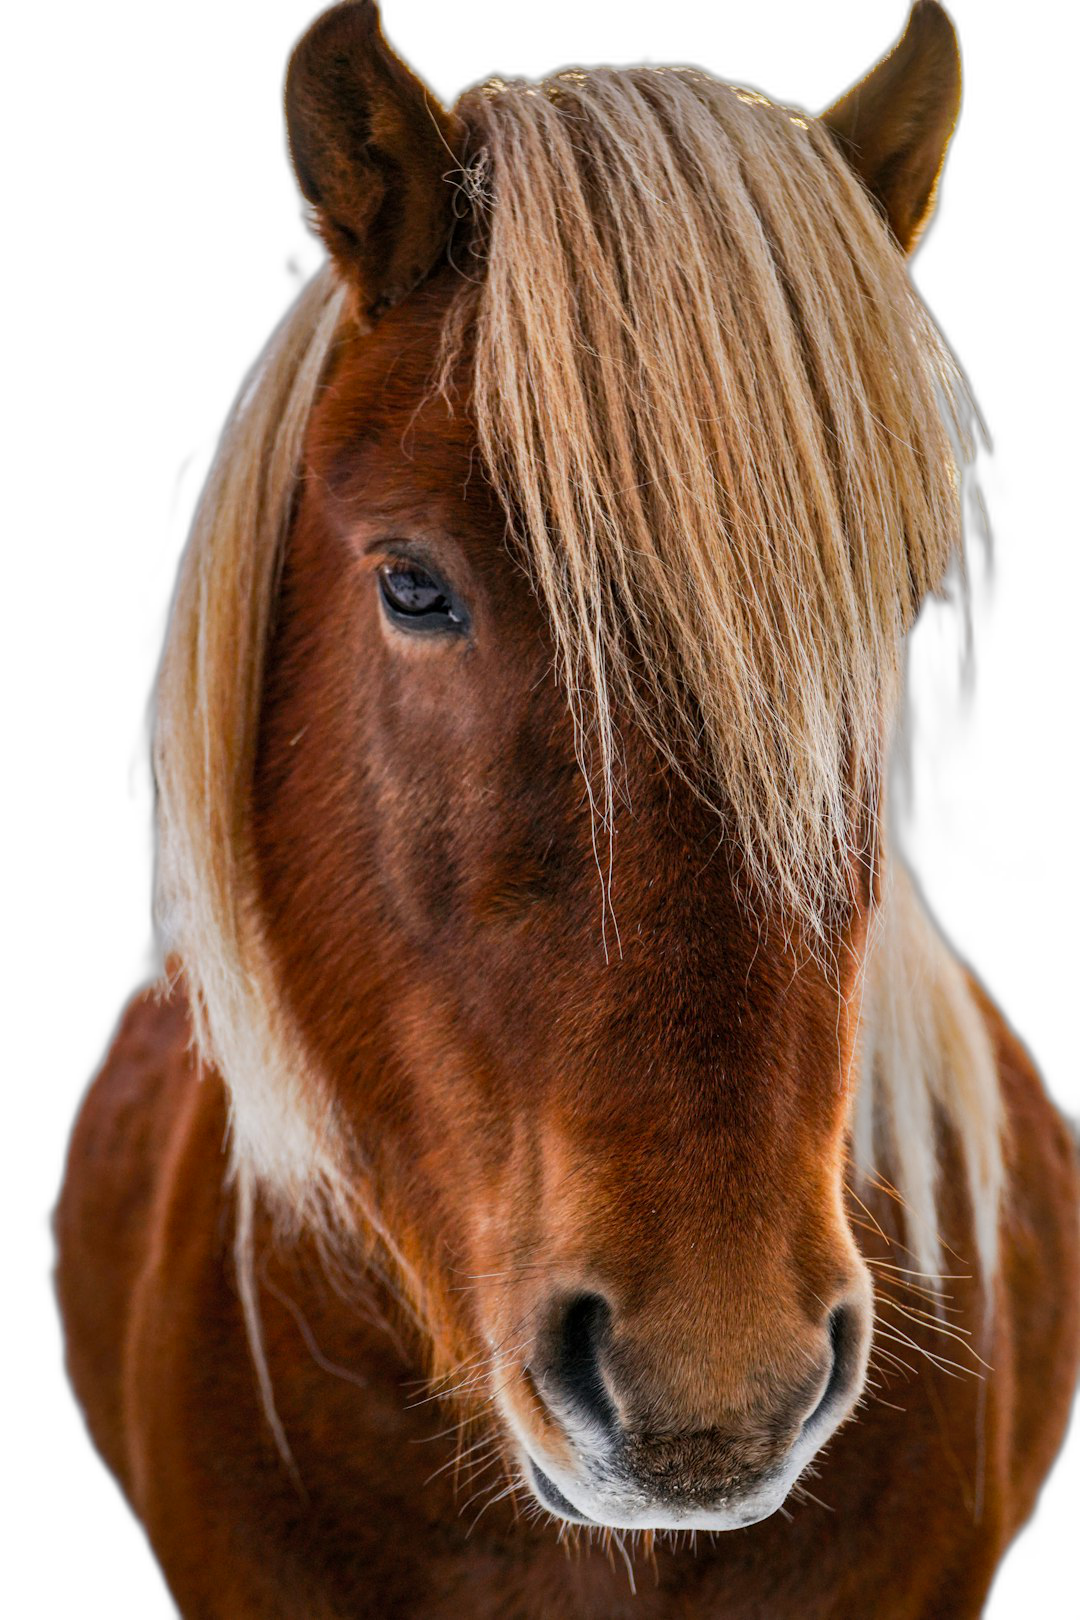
column 589, row 1460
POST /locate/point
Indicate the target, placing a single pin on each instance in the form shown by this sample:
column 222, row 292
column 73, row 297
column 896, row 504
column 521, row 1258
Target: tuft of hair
column 731, row 444
column 926, row 1059
column 729, row 435
column 207, row 702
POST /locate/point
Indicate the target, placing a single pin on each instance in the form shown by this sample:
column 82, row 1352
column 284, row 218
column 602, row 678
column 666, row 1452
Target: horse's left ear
column 373, row 150
column 894, row 126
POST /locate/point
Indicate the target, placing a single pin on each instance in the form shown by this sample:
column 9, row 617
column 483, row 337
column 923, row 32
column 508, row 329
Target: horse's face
column 609, row 1145
column 619, row 1173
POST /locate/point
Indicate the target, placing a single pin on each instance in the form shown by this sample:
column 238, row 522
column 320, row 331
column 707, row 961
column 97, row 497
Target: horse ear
column 372, row 148
column 894, row 126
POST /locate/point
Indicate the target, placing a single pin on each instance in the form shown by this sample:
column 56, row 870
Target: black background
column 175, row 243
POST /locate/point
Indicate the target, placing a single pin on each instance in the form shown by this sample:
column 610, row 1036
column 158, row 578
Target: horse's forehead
column 389, row 443
column 386, row 380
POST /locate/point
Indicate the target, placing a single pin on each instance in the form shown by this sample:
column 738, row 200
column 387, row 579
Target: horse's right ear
column 372, row 149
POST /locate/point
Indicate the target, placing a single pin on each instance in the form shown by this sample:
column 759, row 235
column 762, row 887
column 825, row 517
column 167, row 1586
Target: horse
column 562, row 1169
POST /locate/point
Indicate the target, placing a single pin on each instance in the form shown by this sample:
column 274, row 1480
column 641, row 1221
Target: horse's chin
column 608, row 1512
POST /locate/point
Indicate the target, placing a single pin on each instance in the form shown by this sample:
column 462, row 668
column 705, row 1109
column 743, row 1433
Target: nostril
column 575, row 1350
column 844, row 1345
column 844, row 1338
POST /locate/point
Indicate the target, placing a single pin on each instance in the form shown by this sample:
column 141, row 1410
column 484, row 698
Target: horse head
column 565, row 749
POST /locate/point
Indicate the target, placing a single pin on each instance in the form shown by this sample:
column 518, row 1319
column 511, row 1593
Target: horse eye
column 414, row 599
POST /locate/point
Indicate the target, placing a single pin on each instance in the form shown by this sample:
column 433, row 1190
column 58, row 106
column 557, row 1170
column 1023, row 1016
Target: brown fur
column 895, row 124
column 925, row 1491
column 667, row 1128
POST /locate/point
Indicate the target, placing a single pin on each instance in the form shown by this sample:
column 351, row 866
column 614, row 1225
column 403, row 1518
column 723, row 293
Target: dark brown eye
column 414, row 599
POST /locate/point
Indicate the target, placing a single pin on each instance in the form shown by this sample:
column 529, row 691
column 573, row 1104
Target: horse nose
column 571, row 1373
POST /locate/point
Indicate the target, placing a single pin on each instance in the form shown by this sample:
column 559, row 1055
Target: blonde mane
column 730, row 442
